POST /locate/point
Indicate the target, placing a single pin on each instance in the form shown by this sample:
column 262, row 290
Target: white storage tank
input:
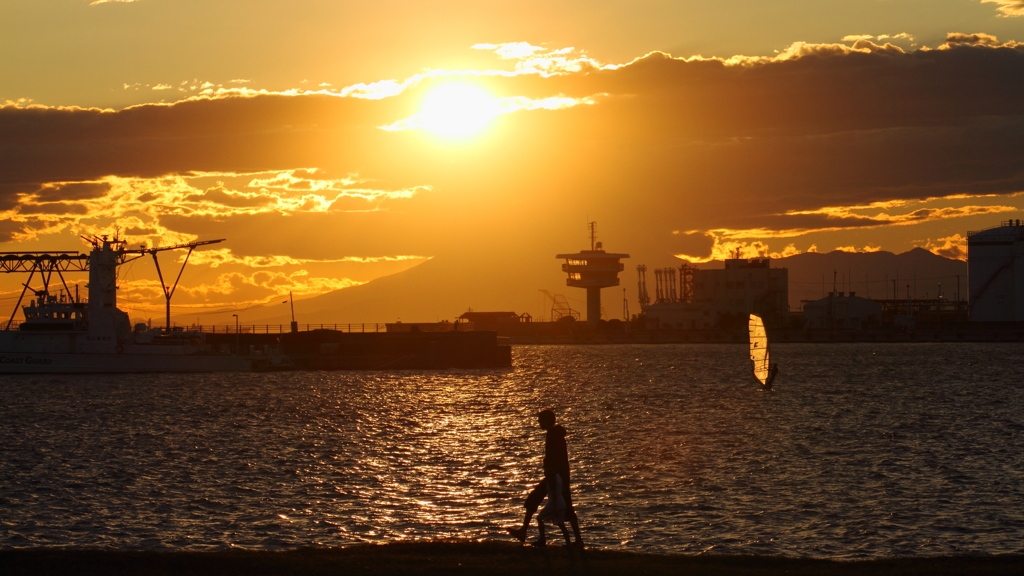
column 995, row 265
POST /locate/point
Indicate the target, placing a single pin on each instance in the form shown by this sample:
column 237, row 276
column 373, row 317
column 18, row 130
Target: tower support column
column 593, row 305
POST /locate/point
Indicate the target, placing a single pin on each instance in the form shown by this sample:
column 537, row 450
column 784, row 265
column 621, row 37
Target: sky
column 332, row 142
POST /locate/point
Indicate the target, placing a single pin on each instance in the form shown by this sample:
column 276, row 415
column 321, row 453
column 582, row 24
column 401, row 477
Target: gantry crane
column 46, row 263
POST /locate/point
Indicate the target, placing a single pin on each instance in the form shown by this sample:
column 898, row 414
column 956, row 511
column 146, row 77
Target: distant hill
column 871, row 274
column 438, row 289
column 446, row 286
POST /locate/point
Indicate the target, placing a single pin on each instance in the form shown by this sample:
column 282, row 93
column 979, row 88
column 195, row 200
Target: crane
column 560, row 307
column 143, row 250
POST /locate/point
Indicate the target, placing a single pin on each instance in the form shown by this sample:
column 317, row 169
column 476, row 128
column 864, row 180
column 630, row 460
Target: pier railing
column 278, row 328
column 263, row 328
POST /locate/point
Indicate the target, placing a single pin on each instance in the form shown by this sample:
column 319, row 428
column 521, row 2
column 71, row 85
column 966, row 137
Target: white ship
column 62, row 334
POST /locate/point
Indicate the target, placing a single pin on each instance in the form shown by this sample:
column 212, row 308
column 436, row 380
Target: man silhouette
column 556, row 462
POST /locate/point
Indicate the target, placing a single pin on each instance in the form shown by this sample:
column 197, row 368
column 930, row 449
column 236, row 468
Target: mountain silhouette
column 509, row 280
column 872, row 274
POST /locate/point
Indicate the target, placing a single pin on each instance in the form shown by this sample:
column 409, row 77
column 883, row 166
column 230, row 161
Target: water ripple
column 864, row 451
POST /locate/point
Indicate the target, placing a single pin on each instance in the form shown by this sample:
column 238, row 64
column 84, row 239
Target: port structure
column 560, row 307
column 168, row 290
column 592, row 269
column 107, row 255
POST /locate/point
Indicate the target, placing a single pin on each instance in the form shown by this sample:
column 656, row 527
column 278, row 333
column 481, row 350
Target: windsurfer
column 772, row 372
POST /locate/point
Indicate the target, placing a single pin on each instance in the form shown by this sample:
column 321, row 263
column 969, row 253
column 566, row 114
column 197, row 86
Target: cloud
column 221, row 257
column 818, row 138
column 723, row 249
column 139, row 206
column 900, row 36
column 840, row 217
column 503, row 106
column 1008, row 7
column 54, row 191
column 753, row 242
column 958, row 39
column 95, row 2
column 727, row 249
column 954, row 247
column 854, row 249
column 547, row 61
column 511, row 50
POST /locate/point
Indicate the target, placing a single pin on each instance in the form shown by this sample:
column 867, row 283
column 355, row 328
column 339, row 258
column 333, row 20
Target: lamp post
column 237, row 351
column 291, row 299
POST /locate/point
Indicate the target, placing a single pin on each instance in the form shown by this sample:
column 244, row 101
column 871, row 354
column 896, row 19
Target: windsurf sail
column 759, row 354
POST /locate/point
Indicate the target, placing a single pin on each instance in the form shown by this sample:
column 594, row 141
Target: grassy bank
column 497, row 558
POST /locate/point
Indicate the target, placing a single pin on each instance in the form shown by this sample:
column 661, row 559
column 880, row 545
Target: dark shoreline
column 474, row 558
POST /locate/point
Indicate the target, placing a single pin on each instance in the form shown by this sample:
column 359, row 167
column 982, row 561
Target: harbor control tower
column 593, row 269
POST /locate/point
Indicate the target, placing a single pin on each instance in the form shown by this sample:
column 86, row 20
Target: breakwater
column 337, row 350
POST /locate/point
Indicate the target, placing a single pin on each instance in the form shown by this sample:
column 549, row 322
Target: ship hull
column 29, row 363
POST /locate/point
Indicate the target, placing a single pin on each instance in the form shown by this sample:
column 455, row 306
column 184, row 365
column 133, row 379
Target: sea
column 862, row 451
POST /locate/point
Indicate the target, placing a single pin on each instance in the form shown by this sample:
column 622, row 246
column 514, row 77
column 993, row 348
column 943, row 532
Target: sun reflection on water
column 673, row 449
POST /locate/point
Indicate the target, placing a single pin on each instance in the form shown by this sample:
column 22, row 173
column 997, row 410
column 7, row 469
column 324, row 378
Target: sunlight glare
column 458, row 110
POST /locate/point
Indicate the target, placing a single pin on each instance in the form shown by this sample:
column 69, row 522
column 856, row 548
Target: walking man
column 556, row 462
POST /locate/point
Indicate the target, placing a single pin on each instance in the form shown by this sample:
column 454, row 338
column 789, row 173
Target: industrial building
column 700, row 298
column 680, row 316
column 995, row 267
column 746, row 286
column 839, row 311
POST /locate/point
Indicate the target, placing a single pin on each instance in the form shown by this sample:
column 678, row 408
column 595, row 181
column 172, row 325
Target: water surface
column 864, row 450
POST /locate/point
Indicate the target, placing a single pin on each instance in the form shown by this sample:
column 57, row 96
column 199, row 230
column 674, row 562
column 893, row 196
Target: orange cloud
column 1008, row 7
column 538, row 60
column 505, row 106
column 848, row 216
column 725, row 249
column 954, row 247
column 90, row 207
column 221, row 257
column 835, row 218
column 855, row 250
column 821, row 137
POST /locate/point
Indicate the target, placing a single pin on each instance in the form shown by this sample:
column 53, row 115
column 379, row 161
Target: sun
column 457, row 110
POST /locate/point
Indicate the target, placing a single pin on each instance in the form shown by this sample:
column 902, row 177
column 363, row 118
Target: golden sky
column 334, row 142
